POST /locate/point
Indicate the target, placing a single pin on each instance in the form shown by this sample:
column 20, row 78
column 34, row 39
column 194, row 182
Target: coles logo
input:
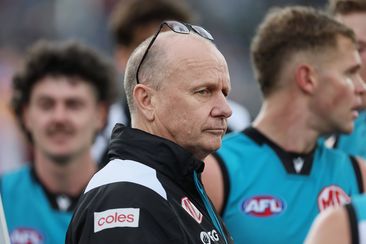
column 263, row 206
column 191, row 209
column 332, row 196
column 118, row 217
column 25, row 236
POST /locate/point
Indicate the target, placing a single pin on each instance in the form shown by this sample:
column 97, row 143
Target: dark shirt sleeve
column 124, row 213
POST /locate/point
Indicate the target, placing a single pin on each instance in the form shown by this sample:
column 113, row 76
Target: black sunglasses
column 177, row 27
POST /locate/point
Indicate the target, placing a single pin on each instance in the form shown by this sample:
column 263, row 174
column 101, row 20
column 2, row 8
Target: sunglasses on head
column 177, row 27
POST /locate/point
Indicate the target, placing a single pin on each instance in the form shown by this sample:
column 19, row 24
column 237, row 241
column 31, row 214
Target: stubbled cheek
column 344, row 96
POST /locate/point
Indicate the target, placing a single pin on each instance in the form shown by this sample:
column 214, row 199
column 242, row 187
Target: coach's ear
column 142, row 96
column 305, row 78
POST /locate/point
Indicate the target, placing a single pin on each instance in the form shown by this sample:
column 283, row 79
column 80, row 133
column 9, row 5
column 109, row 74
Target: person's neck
column 287, row 123
column 154, row 128
column 69, row 178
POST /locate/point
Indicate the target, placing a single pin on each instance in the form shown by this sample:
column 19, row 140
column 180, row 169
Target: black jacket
column 150, row 192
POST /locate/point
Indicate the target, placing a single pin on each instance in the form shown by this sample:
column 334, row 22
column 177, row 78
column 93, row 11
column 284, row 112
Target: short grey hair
column 152, row 71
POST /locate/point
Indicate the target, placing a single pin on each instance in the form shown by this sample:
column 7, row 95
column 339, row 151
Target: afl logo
column 332, row 196
column 26, row 236
column 263, row 206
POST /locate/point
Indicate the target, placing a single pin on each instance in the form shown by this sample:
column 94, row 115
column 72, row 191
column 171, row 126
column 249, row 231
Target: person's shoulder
column 237, row 140
column 357, row 136
column 126, row 176
column 359, row 205
column 332, row 153
column 236, row 150
column 359, row 199
column 20, row 170
column 331, row 226
column 17, row 174
column 231, row 141
column 16, row 181
column 336, row 160
column 122, row 197
column 234, row 137
column 362, row 116
column 111, row 195
column 123, row 194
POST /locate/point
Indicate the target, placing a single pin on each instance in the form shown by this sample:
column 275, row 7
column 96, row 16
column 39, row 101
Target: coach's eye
column 203, row 92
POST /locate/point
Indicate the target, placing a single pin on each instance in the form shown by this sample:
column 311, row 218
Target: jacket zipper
column 208, row 206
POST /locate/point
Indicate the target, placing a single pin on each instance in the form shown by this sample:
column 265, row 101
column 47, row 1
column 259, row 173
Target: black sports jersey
column 150, row 192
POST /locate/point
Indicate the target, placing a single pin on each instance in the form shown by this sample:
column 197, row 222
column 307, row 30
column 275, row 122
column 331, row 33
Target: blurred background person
column 352, row 13
column 13, row 150
column 60, row 97
column 347, row 224
column 271, row 180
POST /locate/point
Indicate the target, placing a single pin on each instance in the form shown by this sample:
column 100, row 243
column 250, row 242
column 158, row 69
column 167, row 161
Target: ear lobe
column 143, row 97
column 305, row 78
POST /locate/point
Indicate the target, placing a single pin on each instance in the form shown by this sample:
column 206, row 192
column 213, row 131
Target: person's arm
column 213, row 182
column 331, row 226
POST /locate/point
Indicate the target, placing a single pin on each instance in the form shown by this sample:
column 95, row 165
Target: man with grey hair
column 131, row 22
column 176, row 85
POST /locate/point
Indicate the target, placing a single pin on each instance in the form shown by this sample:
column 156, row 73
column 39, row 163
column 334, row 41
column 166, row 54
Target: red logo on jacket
column 191, row 209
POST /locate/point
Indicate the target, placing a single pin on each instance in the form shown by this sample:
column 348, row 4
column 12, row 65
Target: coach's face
column 192, row 109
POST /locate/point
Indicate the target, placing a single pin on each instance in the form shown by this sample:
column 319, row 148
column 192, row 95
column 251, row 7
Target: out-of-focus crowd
column 231, row 122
